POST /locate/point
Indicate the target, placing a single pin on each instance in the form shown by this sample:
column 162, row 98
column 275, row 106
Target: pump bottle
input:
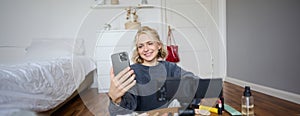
column 247, row 102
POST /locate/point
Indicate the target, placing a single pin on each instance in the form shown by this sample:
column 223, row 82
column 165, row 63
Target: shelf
column 116, row 30
column 121, row 6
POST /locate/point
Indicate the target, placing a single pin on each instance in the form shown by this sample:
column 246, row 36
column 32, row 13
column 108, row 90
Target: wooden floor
column 91, row 103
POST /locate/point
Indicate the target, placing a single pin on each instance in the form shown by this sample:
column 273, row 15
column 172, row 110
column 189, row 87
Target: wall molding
column 223, row 33
column 292, row 97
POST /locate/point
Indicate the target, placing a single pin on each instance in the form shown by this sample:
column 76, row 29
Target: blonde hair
column 162, row 52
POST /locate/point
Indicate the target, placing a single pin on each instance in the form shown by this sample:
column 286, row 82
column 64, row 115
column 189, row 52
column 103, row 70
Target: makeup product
column 231, row 110
column 202, row 112
column 222, row 100
column 201, row 107
column 186, row 112
column 220, row 107
column 211, row 109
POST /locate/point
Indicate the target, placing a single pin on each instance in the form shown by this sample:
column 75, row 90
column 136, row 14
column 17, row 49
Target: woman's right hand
column 120, row 84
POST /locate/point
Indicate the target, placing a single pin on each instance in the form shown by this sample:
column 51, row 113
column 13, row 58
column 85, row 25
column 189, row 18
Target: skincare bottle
column 247, row 102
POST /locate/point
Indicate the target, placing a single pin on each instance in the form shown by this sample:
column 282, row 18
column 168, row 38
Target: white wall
column 22, row 21
column 198, row 35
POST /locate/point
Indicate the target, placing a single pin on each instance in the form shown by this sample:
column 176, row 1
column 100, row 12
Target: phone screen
column 119, row 61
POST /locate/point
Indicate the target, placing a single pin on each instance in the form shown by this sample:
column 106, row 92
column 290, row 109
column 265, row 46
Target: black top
column 148, row 80
column 143, row 96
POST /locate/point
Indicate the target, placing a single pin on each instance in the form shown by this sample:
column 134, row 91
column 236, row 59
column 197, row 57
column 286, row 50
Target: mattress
column 42, row 84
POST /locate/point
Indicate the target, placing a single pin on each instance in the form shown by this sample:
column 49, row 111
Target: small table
column 175, row 110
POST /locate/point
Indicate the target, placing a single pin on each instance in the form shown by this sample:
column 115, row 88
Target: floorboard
column 91, row 103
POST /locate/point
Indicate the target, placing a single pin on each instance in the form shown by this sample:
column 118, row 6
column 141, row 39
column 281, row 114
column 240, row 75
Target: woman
column 134, row 88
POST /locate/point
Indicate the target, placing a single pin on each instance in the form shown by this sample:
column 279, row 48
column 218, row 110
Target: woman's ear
column 159, row 45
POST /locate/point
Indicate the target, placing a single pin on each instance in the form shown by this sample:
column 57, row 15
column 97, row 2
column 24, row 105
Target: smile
column 148, row 54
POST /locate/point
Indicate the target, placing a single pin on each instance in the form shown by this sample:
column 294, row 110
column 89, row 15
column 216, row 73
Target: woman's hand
column 120, row 84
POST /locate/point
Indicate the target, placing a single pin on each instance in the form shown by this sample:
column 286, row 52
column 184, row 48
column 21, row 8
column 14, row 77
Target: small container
column 144, row 2
column 247, row 103
column 107, row 26
column 114, row 2
column 100, row 2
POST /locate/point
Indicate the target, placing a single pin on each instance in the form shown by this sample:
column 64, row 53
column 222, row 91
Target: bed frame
column 89, row 79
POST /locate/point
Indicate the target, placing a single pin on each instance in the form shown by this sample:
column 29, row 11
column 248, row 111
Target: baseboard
column 292, row 97
column 102, row 90
column 95, row 83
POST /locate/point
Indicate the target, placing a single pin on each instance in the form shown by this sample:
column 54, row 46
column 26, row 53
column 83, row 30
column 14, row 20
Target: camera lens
column 123, row 56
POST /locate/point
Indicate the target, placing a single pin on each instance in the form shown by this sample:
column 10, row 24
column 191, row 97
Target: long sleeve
column 117, row 110
column 127, row 106
column 175, row 71
column 192, row 84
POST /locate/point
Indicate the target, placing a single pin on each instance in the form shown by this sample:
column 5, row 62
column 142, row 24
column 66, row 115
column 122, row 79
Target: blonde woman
column 133, row 89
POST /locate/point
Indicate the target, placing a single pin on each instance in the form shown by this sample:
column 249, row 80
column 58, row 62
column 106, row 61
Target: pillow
column 11, row 54
column 53, row 48
column 79, row 47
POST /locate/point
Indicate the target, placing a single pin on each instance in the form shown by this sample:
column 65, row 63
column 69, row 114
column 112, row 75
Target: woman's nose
column 146, row 48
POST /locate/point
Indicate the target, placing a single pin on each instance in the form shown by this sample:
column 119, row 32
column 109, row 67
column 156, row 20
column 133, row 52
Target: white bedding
column 41, row 85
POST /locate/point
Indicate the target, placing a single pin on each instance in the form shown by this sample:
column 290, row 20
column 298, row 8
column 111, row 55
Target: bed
column 49, row 75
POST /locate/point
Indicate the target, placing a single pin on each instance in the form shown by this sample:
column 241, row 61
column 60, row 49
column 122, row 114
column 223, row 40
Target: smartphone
column 120, row 61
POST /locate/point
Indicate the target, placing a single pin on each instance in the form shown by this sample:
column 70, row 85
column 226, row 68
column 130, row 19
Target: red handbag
column 172, row 48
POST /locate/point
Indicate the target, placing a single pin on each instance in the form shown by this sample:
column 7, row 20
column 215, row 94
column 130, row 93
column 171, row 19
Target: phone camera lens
column 123, row 57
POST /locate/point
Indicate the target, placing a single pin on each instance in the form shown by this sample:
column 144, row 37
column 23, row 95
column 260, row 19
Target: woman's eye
column 140, row 46
column 150, row 43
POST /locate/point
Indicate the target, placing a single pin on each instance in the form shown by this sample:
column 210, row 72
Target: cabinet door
column 110, row 42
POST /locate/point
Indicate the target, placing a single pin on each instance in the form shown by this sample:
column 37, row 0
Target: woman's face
column 148, row 49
